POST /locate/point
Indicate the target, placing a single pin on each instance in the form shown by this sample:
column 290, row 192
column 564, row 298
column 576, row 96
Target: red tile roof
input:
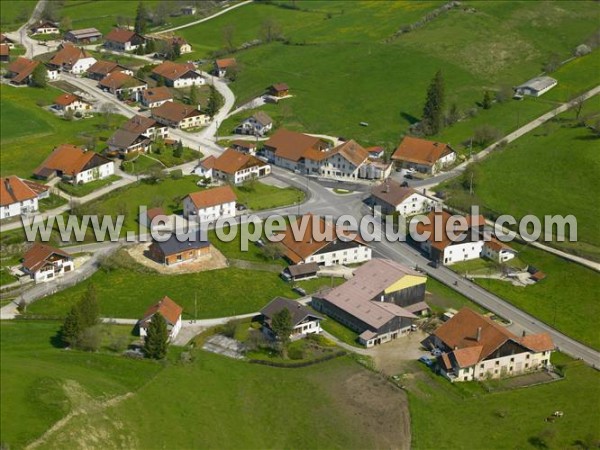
column 351, row 151
column 280, row 87
column 212, row 197
column 120, row 35
column 104, row 67
column 167, row 308
column 232, row 161
column 173, row 71
column 13, row 189
column 175, row 112
column 391, row 192
column 293, row 146
column 68, row 55
column 35, row 258
column 66, row 99
column 4, row 50
column 226, row 63
column 22, row 68
column 118, row 80
column 70, row 160
column 157, row 94
column 420, row 151
column 444, row 240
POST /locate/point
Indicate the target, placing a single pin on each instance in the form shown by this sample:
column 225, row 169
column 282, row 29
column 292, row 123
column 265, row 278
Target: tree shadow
column 588, row 137
column 56, row 340
column 409, row 118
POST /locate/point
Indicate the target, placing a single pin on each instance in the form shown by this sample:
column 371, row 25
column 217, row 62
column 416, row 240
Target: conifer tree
column 434, row 106
column 156, row 344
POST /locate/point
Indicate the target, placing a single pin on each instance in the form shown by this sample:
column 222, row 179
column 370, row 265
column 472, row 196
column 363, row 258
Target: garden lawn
column 81, row 190
column 258, row 196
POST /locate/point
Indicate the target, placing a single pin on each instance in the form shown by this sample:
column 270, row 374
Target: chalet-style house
column 18, row 196
column 4, row 53
column 210, row 205
column 313, row 156
column 72, row 59
column 103, row 68
column 392, row 198
column 136, row 135
column 178, row 249
column 154, row 97
column 312, row 239
column 234, row 167
column 223, row 65
column 169, row 311
column 83, row 36
column 75, row 165
column 178, row 115
column 299, row 272
column 380, row 302
column 304, row 321
column 123, row 86
column 244, row 146
column 178, row 75
column 45, row 263
column 71, row 102
column 20, row 70
column 536, row 86
column 469, row 244
column 258, row 124
column 279, row 90
column 44, row 27
column 474, row 347
column 5, row 40
column 123, row 40
column 423, row 155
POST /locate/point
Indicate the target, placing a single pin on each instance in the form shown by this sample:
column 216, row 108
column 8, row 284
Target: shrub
column 228, row 329
column 90, row 339
column 118, row 344
column 296, row 352
column 486, row 134
column 177, row 174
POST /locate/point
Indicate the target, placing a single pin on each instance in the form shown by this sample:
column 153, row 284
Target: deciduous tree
column 38, row 77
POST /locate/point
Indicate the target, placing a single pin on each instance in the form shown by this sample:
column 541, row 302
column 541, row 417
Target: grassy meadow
column 13, row 13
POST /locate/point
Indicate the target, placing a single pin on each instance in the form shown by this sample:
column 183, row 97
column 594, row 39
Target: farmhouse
column 258, row 124
column 423, row 155
column 381, row 301
column 476, row 348
column 146, row 126
column 304, row 321
column 45, row 263
column 244, row 146
column 72, row 59
column 5, row 40
column 52, row 73
column 210, row 204
column 223, row 65
column 299, row 272
column 236, row 167
column 391, row 197
column 178, row 115
column 102, row 68
column 178, row 75
column 44, row 27
column 178, row 248
column 536, row 86
column 344, row 161
column 18, row 196
column 154, row 97
column 76, row 165
column 4, row 53
column 123, row 86
column 19, row 71
column 176, row 42
column 311, row 239
column 70, row 102
column 169, row 311
column 123, row 40
column 83, row 36
column 290, row 149
column 279, row 90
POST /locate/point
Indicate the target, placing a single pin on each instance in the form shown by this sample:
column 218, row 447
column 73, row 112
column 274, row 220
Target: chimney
column 456, row 347
column 478, row 334
column 524, row 333
column 386, row 189
column 8, row 186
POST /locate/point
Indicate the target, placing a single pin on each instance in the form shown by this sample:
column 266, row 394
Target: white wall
column 16, row 209
column 83, row 65
column 97, row 173
column 49, row 275
column 209, row 214
column 504, row 366
column 359, row 254
column 462, row 252
column 186, row 82
column 414, row 204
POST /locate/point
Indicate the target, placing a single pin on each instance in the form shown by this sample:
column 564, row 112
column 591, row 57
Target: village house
column 304, row 321
column 123, row 40
column 20, row 70
column 188, row 10
column 154, row 97
column 123, row 86
column 474, row 347
column 290, row 149
column 83, row 36
column 279, row 90
column 223, row 65
column 380, row 302
column 75, row 165
column 376, row 152
column 72, row 59
column 136, row 135
column 392, row 197
column 178, row 75
column 175, row 42
column 178, row 115
column 19, row 196
column 312, row 239
column 169, row 311
column 470, row 242
column 244, row 146
column 52, row 73
column 423, row 155
column 102, row 68
column 44, row 27
column 258, row 124
column 5, row 40
column 45, row 263
column 235, row 167
column 71, row 102
column 536, row 86
column 147, row 127
column 299, row 272
column 4, row 53
column 210, row 205
column 179, row 248
column 205, row 168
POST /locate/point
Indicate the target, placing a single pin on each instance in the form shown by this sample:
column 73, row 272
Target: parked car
column 241, row 207
column 425, row 360
column 404, row 184
column 436, row 352
column 299, row 290
column 411, row 170
column 408, row 175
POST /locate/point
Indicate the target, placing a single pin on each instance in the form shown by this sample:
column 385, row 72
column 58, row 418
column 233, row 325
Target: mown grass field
column 508, row 419
column 13, row 13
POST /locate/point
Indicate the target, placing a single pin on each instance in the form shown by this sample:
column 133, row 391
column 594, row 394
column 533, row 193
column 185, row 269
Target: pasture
column 13, row 13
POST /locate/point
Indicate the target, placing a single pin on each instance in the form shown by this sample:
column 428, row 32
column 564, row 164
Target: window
column 481, row 366
column 512, row 359
column 527, row 357
column 527, row 365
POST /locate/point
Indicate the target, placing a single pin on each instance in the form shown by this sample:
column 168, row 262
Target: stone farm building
column 75, row 165
column 423, row 155
column 19, row 196
column 380, row 302
column 179, row 248
column 169, row 311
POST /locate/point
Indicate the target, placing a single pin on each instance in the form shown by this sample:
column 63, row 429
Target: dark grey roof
column 303, row 269
column 124, row 139
column 298, row 311
column 181, row 242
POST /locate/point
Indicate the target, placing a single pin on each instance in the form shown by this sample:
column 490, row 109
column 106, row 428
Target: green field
column 343, row 71
column 81, row 190
column 14, row 13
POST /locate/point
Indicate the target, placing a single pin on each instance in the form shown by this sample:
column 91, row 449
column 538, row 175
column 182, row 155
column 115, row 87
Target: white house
column 423, row 155
column 304, row 321
column 224, row 65
column 205, row 168
column 44, row 27
column 70, row 102
column 258, row 124
column 45, row 263
column 18, row 196
column 236, row 167
column 209, row 205
column 474, row 347
column 72, row 59
column 154, row 97
column 75, row 165
column 536, row 86
column 178, row 115
column 178, row 75
column 123, row 40
column 392, row 197
column 52, row 73
column 169, row 311
column 497, row 251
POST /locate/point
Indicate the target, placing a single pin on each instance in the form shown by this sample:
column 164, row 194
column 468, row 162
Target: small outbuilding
column 536, row 86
